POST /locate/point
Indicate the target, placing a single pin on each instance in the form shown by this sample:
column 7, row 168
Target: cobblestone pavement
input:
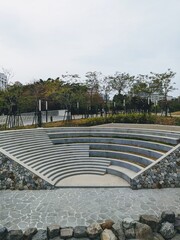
column 80, row 206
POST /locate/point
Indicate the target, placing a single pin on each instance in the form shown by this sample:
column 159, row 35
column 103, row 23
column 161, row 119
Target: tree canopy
column 89, row 95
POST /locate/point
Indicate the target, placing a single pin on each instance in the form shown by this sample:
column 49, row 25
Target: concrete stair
column 58, row 153
column 128, row 150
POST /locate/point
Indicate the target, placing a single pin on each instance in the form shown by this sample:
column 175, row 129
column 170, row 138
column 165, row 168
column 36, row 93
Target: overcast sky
column 47, row 38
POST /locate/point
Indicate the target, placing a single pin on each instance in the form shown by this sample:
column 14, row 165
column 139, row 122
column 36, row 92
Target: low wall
column 149, row 227
column 162, row 174
column 14, row 176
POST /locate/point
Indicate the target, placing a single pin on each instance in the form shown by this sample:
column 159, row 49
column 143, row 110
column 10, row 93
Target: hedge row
column 119, row 118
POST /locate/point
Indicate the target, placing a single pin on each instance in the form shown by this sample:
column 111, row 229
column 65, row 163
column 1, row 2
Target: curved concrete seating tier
column 122, row 172
column 68, row 163
column 38, row 150
column 159, row 136
column 58, row 153
column 113, row 129
column 126, row 148
column 142, row 161
column 121, row 141
column 73, row 173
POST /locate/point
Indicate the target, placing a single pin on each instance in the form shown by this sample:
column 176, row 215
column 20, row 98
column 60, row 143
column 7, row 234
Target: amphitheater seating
column 58, row 153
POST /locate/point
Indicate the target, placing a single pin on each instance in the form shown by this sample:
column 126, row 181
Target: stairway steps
column 121, row 141
column 142, row 161
column 71, row 163
column 54, row 154
column 74, row 166
column 156, row 138
column 122, row 172
column 67, row 160
column 78, row 173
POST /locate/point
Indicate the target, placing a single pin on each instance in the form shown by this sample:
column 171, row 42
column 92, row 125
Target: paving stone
column 40, row 235
column 118, row 230
column 107, row 224
column 53, row 231
column 80, row 232
column 151, row 220
column 176, row 237
column 177, row 223
column 129, row 233
column 107, row 234
column 110, row 202
column 56, row 238
column 94, row 230
column 143, row 231
column 128, row 223
column 167, row 230
column 66, row 233
column 3, row 233
column 168, row 216
column 28, row 233
column 157, row 236
column 15, row 235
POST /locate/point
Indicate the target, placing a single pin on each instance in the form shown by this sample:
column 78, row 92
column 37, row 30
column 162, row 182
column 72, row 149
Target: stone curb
column 149, row 227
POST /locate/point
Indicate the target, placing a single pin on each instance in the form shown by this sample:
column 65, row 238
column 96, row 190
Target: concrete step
column 25, row 142
column 61, row 168
column 55, row 175
column 114, row 129
column 34, row 150
column 31, row 156
column 73, row 159
column 122, row 172
column 139, row 130
column 153, row 137
column 127, row 148
column 53, row 165
column 122, row 163
column 46, row 149
column 122, row 141
column 24, row 145
column 70, row 174
column 136, row 159
column 78, row 172
column 31, row 160
column 129, row 165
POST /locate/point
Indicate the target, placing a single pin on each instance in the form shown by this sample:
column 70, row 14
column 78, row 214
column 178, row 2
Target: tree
column 140, row 86
column 121, row 82
column 8, row 73
column 162, row 83
column 93, row 85
column 105, row 88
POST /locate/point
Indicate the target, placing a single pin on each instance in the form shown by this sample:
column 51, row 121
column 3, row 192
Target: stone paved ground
column 81, row 206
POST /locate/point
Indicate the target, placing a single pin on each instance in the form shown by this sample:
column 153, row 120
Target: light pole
column 46, row 111
column 114, row 107
column 39, row 115
column 124, row 105
column 156, row 102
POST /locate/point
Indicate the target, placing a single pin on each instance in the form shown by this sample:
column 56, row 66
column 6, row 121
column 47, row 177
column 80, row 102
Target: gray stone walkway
column 80, row 206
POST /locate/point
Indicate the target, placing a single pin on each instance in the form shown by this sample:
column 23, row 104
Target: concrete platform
column 89, row 180
column 142, row 126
